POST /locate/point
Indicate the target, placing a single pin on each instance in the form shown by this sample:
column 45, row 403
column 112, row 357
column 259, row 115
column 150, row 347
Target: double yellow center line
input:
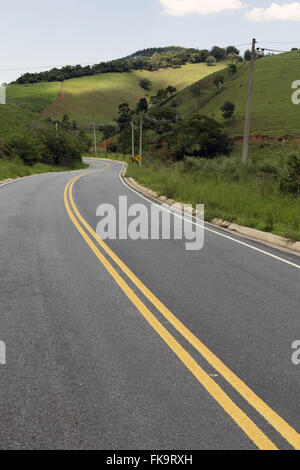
column 98, row 246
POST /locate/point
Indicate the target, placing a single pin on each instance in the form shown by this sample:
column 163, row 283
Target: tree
column 108, row 131
column 125, row 116
column 228, row 109
column 142, row 106
column 211, row 60
column 162, row 95
column 247, row 55
column 66, row 121
column 232, row 50
column 234, row 58
column 171, row 90
column 153, row 99
column 200, row 136
column 291, row 182
column 196, row 90
column 155, row 61
column 219, row 81
column 145, row 84
column 218, row 53
column 124, row 119
column 232, row 69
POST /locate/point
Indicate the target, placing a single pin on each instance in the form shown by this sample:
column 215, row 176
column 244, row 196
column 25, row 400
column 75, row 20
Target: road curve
column 139, row 344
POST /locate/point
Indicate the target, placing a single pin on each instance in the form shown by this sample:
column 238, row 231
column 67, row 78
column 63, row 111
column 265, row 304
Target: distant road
column 139, row 344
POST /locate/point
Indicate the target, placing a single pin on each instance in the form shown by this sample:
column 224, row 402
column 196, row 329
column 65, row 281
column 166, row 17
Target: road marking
column 238, row 415
column 281, row 426
column 259, row 250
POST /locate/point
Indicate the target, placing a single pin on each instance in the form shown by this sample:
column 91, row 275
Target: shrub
column 200, row 136
column 85, row 142
column 5, row 152
column 291, row 182
column 211, row 60
column 228, row 109
column 26, row 147
column 63, row 149
column 146, row 84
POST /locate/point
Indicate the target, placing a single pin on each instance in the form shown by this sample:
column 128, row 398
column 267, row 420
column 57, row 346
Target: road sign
column 138, row 158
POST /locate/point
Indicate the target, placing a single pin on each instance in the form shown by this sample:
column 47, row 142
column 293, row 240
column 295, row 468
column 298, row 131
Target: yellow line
column 240, row 418
column 278, row 423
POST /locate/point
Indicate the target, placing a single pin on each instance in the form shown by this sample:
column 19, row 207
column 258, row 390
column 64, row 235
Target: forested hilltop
column 148, row 59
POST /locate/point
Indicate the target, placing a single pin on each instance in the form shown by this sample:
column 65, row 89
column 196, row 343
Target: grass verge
column 249, row 196
column 15, row 169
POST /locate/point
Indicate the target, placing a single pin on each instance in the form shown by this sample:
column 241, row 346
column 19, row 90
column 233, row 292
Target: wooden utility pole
column 141, row 135
column 95, row 138
column 248, row 110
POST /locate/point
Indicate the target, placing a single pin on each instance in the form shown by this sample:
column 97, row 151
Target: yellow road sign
column 138, row 158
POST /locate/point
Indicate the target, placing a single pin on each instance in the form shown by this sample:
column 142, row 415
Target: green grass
column 33, row 97
column 96, row 98
column 273, row 112
column 247, row 196
column 15, row 169
column 13, row 119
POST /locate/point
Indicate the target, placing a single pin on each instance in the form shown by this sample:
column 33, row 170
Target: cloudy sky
column 41, row 34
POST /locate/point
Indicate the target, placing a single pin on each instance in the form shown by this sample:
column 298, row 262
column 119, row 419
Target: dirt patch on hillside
column 60, row 99
column 266, row 138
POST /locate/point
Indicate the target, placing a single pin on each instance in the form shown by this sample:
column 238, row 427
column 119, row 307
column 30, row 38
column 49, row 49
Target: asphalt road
column 170, row 350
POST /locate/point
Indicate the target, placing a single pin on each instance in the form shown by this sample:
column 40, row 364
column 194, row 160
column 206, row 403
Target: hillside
column 96, row 98
column 273, row 112
column 13, row 119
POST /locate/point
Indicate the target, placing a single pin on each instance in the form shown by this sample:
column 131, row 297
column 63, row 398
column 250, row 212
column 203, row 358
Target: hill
column 273, row 112
column 13, row 119
column 96, row 98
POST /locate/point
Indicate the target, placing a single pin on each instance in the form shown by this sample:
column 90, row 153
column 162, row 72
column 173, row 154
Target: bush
column 63, row 149
column 42, row 144
column 291, row 182
column 146, row 84
column 5, row 152
column 228, row 109
column 85, row 142
column 26, row 147
column 211, row 60
column 200, row 136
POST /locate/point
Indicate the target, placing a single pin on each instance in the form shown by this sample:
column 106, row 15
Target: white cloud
column 288, row 11
column 202, row 7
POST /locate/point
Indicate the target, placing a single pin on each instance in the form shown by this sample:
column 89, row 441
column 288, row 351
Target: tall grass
column 15, row 168
column 248, row 196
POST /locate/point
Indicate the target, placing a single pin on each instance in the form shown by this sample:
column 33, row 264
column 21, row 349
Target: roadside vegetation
column 264, row 194
column 192, row 105
column 37, row 147
column 16, row 168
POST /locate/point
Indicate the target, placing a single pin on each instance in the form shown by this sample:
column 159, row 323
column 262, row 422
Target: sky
column 41, row 34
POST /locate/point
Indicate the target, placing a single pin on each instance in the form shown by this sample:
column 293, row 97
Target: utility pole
column 56, row 128
column 141, row 135
column 132, row 138
column 95, row 138
column 248, row 110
